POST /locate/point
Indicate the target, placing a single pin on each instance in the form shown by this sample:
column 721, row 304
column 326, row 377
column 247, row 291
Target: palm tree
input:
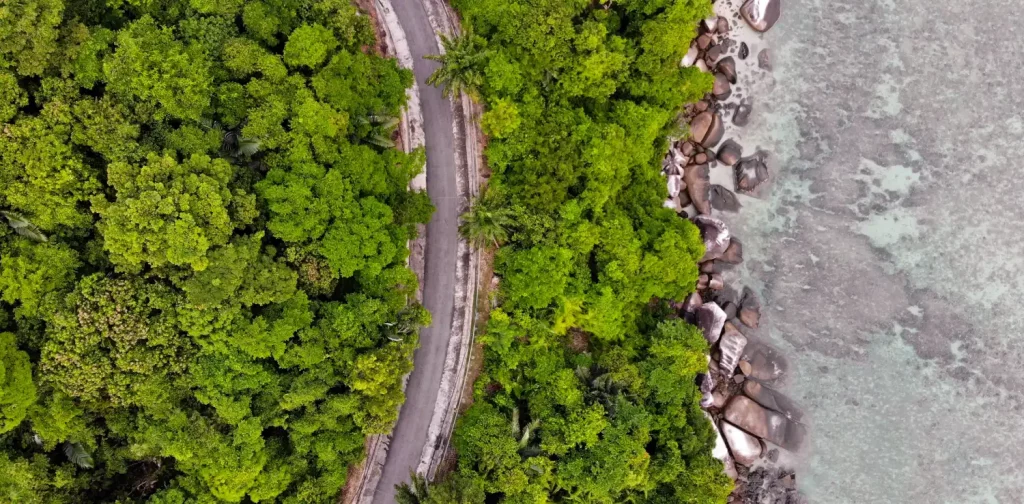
column 460, row 70
column 418, row 493
column 483, row 225
column 526, row 434
column 407, row 321
column 380, row 128
column 24, row 227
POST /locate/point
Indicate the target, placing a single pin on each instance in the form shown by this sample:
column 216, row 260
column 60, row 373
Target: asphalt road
column 410, row 433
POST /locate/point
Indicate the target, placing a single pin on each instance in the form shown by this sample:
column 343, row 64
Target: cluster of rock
column 740, row 390
column 767, row 485
column 689, row 161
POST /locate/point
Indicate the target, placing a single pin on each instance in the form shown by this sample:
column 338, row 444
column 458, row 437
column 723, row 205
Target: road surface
column 410, row 433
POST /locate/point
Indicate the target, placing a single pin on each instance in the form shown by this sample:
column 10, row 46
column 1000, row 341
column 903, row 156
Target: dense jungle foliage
column 203, row 290
column 587, row 393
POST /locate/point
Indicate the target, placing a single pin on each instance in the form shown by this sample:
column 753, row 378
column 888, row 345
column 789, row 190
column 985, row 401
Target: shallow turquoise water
column 889, row 250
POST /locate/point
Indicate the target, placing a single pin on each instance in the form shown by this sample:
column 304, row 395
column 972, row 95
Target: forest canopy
column 588, row 387
column 203, row 228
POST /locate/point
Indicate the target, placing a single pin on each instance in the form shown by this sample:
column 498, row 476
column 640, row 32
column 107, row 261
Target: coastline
column 709, row 174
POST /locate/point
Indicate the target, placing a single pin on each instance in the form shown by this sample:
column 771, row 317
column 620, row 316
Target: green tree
column 168, row 212
column 12, row 97
column 579, row 100
column 106, row 127
column 240, row 272
column 309, row 46
column 362, row 84
column 461, row 69
column 17, row 390
column 44, row 178
column 85, row 51
column 155, row 71
column 28, row 34
column 502, row 119
column 36, row 275
column 450, row 490
column 534, row 277
column 114, row 342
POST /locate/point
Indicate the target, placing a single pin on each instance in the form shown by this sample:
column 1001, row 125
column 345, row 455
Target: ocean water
column 889, row 247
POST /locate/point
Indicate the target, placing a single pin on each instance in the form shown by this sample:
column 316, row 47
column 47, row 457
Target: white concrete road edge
column 466, row 128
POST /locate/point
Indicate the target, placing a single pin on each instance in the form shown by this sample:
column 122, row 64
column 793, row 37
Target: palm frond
column 248, row 147
column 515, row 421
column 461, row 66
column 24, row 227
column 524, row 440
column 390, row 124
column 381, row 141
column 417, row 493
column 77, row 454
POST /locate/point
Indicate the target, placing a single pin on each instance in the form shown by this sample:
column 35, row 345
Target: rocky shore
column 740, row 390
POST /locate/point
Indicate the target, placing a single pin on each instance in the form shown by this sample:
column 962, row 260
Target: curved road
column 410, row 433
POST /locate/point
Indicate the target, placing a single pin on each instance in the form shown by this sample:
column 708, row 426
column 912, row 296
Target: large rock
column 730, row 152
column 741, row 117
column 750, row 174
column 711, row 24
column 693, row 301
column 684, row 200
column 722, row 88
column 733, row 254
column 678, row 158
column 750, row 308
column 729, row 308
column 764, row 60
column 675, row 184
column 715, row 234
column 715, row 132
column 766, row 363
column 727, row 67
column 731, row 346
column 721, row 451
column 703, row 41
column 764, row 423
column 714, row 53
column 745, row 449
column 687, row 149
column 691, row 57
column 761, row 15
column 723, row 26
column 724, row 199
column 707, row 387
column 772, row 399
column 700, row 125
column 698, row 186
column 711, row 320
